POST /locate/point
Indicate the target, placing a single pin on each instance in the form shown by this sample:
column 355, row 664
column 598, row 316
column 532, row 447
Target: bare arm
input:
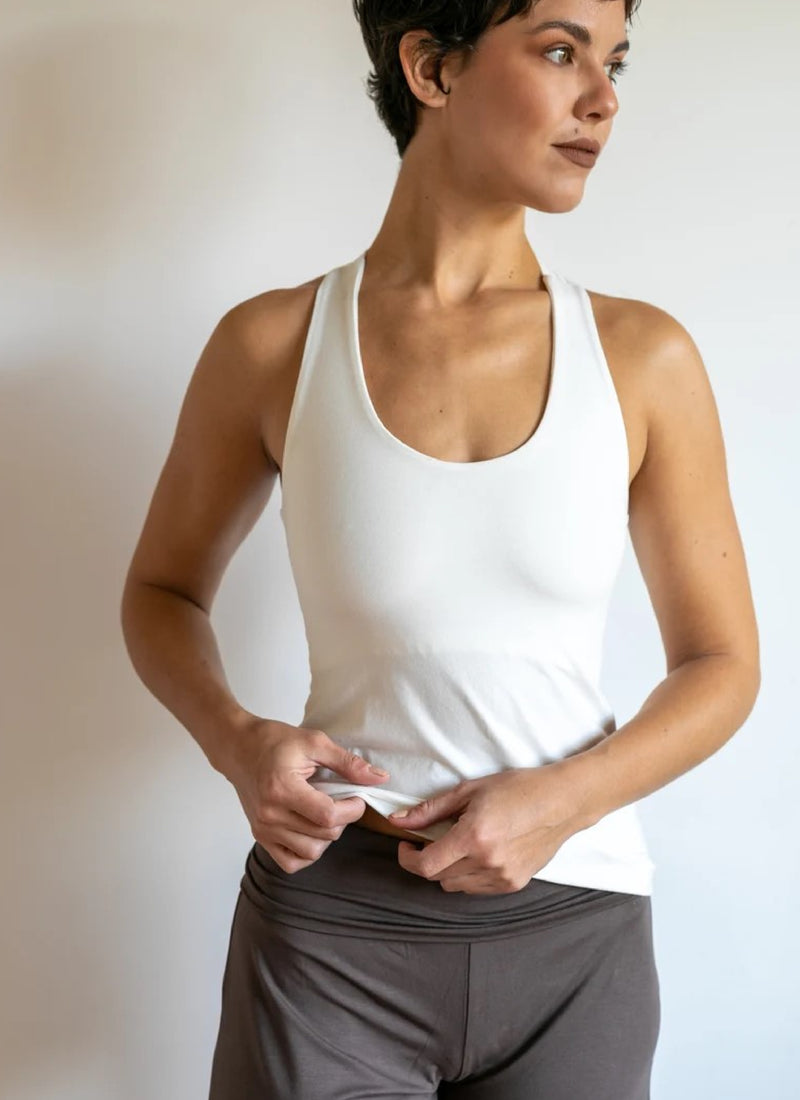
column 686, row 539
column 215, row 483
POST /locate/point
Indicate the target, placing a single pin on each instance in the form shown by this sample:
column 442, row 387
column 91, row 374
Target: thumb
column 432, row 809
column 346, row 763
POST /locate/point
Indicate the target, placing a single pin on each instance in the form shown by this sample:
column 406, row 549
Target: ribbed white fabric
column 455, row 611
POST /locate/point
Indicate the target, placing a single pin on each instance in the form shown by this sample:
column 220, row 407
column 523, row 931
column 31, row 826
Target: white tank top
column 455, row 611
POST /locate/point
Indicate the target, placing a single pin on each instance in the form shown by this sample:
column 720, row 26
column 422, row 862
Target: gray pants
column 354, row 979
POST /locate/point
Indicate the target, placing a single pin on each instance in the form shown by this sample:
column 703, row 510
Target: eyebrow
column 578, row 31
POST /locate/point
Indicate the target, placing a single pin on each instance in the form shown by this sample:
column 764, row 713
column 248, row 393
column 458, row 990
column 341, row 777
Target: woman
column 464, row 442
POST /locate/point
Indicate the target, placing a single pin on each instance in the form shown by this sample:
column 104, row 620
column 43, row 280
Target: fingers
column 288, row 816
column 321, row 749
column 299, row 824
column 322, row 810
column 295, row 840
column 293, row 851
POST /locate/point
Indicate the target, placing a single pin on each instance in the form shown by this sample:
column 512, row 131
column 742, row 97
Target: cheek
column 508, row 132
column 531, row 110
column 514, row 109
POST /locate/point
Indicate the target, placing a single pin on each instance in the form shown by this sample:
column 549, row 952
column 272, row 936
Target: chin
column 554, row 203
column 566, row 205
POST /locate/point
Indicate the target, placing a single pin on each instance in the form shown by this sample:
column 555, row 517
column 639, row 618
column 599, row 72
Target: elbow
column 130, row 605
column 126, row 609
column 756, row 682
column 737, row 676
column 747, row 675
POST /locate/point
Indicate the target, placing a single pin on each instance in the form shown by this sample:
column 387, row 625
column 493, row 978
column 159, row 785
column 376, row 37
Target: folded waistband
column 357, row 887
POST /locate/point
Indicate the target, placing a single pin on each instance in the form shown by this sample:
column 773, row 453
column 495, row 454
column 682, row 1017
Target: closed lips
column 586, row 146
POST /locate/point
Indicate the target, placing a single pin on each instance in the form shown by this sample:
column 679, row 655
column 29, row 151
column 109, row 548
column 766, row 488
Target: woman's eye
column 556, row 49
column 618, row 67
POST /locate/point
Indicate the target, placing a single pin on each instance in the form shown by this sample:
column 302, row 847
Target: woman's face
column 523, row 91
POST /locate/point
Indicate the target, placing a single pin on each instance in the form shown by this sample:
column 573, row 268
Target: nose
column 600, row 99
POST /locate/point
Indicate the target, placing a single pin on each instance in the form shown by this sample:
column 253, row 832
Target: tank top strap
column 588, row 376
column 324, row 398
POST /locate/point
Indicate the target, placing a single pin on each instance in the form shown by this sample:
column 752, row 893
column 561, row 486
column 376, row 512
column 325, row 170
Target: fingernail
column 399, row 813
column 378, row 771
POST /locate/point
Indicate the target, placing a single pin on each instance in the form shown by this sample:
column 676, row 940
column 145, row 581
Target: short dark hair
column 452, row 28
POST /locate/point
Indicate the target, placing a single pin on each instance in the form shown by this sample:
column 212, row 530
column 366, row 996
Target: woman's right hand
column 269, row 769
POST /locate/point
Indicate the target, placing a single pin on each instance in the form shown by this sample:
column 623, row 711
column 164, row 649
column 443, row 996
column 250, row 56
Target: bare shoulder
column 650, row 355
column 220, row 472
column 271, row 327
column 270, row 321
column 682, row 522
column 643, row 337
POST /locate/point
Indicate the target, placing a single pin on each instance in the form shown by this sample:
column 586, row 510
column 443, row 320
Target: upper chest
column 464, row 384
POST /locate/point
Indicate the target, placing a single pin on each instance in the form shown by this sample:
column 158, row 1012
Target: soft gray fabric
column 356, row 980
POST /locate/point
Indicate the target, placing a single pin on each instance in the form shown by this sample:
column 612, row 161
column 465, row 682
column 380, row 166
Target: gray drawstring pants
column 354, row 979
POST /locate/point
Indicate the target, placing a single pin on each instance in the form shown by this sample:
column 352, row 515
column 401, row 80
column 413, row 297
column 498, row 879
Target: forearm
column 174, row 650
column 689, row 716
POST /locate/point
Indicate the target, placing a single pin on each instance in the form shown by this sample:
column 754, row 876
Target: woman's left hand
column 510, row 824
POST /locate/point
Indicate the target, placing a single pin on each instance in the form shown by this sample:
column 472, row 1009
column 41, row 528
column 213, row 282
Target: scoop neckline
column 510, row 457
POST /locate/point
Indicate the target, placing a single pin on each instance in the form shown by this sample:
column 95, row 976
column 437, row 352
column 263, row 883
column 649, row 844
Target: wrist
column 580, row 774
column 233, row 736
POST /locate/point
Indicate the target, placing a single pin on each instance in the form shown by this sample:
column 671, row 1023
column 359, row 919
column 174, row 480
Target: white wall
column 161, row 161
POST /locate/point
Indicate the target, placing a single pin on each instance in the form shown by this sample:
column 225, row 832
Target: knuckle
column 264, row 838
column 317, row 739
column 298, row 863
column 268, row 789
column 483, row 847
column 263, row 812
column 328, row 818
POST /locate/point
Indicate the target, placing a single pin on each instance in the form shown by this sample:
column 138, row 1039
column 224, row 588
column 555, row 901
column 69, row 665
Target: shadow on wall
column 108, row 862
